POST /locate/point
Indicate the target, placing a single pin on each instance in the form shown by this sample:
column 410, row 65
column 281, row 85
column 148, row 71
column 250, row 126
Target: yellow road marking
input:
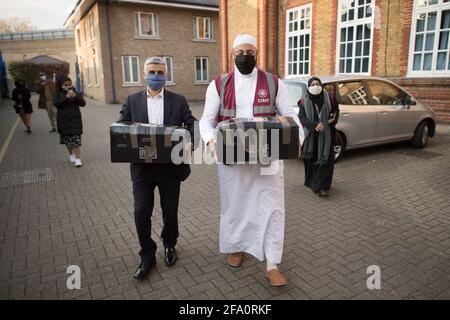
column 8, row 140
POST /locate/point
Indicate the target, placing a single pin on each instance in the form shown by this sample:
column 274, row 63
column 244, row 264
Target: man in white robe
column 252, row 204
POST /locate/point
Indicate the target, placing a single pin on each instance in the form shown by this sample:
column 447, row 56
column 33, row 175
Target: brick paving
column 389, row 207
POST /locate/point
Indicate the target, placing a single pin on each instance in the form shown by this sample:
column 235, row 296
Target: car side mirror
column 409, row 101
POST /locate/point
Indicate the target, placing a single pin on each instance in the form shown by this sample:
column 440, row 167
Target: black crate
column 144, row 143
column 255, row 140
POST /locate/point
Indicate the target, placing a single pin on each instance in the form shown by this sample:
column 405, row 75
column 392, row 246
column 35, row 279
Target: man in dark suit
column 159, row 106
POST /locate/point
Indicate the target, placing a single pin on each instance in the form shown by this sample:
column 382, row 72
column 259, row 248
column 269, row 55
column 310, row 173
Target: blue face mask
column 156, row 81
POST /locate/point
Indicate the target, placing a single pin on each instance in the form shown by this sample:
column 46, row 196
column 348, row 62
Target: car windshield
column 296, row 92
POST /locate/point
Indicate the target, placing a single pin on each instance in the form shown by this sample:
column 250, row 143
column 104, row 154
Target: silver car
column 373, row 111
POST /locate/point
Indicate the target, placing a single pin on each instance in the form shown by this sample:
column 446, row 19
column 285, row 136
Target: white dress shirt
column 155, row 108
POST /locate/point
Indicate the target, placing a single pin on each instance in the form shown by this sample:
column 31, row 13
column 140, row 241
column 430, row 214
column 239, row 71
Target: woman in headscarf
column 70, row 126
column 318, row 115
column 21, row 96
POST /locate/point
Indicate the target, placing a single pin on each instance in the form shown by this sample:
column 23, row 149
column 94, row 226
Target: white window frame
column 91, row 26
column 171, row 70
column 201, row 69
column 438, row 7
column 96, row 80
column 88, row 69
column 209, row 22
column 299, row 32
column 155, row 24
column 354, row 23
column 138, row 82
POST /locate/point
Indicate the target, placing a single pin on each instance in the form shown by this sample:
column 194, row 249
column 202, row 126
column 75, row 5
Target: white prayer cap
column 244, row 38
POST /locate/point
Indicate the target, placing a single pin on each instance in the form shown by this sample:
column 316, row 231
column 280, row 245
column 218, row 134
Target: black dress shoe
column 143, row 269
column 323, row 193
column 170, row 256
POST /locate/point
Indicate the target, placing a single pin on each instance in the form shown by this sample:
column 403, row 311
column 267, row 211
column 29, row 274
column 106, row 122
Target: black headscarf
column 319, row 98
column 20, row 86
column 20, row 83
column 60, row 81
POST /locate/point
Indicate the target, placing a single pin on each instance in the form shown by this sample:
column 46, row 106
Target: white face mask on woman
column 315, row 90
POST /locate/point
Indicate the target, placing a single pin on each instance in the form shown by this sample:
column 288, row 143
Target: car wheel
column 421, row 135
column 339, row 148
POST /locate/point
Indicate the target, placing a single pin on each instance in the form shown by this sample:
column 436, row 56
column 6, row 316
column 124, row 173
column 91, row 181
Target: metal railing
column 37, row 35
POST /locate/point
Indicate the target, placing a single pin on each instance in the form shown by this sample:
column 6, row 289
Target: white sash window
column 429, row 53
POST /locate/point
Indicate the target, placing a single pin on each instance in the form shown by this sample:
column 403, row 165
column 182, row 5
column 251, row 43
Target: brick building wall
column 390, row 43
column 61, row 49
column 90, row 49
column 176, row 40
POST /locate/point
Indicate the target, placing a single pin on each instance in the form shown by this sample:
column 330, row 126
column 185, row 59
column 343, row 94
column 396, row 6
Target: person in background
column 21, row 97
column 46, row 90
column 318, row 114
column 70, row 126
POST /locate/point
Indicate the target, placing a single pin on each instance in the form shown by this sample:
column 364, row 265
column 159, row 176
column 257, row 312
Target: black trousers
column 168, row 184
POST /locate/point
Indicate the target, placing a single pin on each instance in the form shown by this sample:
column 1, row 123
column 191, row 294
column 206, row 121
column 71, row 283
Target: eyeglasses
column 153, row 72
column 245, row 52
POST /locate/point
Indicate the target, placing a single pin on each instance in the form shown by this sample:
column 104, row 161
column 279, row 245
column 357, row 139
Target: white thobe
column 251, row 204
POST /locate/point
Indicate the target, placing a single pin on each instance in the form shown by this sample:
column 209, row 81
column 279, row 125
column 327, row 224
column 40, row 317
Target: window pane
column 358, row 49
column 350, row 34
column 367, row 31
column 359, row 31
column 358, row 65
column 201, row 28
column 420, row 23
column 146, row 24
column 443, row 41
column 341, row 65
column 351, row 14
column 205, row 69
column 427, row 59
column 306, row 67
column 442, row 56
column 349, row 50
column 360, row 12
column 445, row 19
column 353, row 93
column 429, row 43
column 126, row 68
column 169, row 69
column 368, row 11
column 343, row 33
column 419, row 43
column 417, row 61
column 366, row 48
column 431, row 24
column 385, row 94
column 342, row 51
column 348, row 65
column 134, row 65
column 365, row 66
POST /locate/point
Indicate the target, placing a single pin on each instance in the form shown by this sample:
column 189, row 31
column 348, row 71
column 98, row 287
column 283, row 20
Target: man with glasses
column 252, row 203
column 157, row 106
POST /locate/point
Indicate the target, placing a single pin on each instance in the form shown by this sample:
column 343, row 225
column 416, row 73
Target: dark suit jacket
column 176, row 113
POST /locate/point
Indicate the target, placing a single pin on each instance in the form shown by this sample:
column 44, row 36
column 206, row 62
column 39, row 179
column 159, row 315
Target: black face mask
column 245, row 63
